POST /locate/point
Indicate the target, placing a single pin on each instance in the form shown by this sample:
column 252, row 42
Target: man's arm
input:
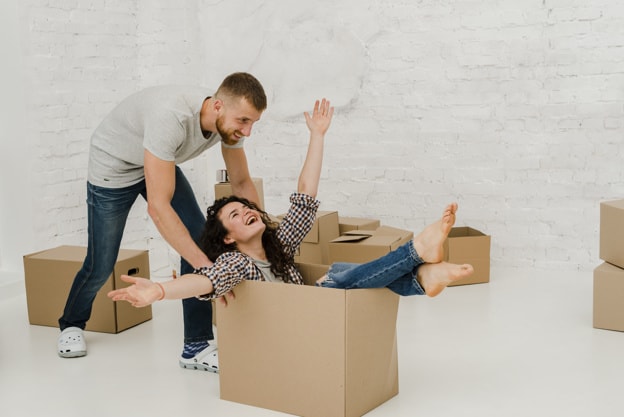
column 238, row 172
column 160, row 183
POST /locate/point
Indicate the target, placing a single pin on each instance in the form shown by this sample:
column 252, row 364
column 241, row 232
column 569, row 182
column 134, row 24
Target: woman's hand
column 141, row 293
column 319, row 121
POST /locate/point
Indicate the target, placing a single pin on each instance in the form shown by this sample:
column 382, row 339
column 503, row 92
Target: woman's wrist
column 162, row 291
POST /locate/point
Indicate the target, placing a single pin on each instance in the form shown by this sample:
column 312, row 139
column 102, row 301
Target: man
column 135, row 151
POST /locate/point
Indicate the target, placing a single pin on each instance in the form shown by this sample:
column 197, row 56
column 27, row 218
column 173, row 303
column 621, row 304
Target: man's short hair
column 242, row 84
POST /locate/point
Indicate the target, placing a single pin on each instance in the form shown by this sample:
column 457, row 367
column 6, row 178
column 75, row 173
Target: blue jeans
column 108, row 210
column 397, row 270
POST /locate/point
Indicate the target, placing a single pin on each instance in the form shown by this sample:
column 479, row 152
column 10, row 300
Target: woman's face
column 242, row 223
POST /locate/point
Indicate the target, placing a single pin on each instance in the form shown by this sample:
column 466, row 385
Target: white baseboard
column 11, row 284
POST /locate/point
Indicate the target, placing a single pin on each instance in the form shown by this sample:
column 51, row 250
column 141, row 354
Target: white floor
column 522, row 345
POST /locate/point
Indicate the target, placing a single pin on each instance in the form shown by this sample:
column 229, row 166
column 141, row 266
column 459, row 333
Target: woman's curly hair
column 213, row 244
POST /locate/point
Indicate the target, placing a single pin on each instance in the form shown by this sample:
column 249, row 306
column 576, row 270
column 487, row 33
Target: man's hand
column 225, row 298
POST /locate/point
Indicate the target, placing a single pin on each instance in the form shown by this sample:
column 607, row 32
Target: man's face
column 235, row 120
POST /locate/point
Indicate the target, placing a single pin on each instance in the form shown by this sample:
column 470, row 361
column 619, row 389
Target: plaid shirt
column 231, row 268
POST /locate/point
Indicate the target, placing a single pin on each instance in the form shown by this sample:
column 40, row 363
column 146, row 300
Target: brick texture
column 514, row 109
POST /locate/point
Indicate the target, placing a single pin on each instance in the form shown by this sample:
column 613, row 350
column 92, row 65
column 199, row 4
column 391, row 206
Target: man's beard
column 227, row 137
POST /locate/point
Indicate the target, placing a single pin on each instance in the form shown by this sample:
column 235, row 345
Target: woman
column 245, row 244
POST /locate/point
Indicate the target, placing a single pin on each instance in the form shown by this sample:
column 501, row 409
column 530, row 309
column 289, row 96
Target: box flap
column 353, row 223
column 354, row 236
column 465, row 232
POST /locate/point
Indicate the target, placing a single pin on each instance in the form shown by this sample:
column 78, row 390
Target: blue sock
column 193, row 348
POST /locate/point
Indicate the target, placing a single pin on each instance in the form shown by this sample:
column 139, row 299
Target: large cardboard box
column 307, row 350
column 612, row 232
column 468, row 245
column 49, row 275
column 609, row 297
column 346, row 224
column 360, row 246
column 224, row 189
column 314, row 248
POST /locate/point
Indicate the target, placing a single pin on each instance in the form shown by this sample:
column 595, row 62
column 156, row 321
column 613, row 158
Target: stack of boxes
column 609, row 277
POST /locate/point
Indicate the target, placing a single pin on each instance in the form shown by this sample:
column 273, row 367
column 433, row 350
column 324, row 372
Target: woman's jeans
column 108, row 210
column 396, row 270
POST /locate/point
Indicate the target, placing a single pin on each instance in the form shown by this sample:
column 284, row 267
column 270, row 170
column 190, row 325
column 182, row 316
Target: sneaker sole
column 198, row 367
column 76, row 354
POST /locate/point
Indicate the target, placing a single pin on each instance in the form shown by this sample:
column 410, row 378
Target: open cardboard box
column 49, row 275
column 468, row 245
column 307, row 350
column 360, row 246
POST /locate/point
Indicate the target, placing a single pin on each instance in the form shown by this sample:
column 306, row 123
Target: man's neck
column 206, row 118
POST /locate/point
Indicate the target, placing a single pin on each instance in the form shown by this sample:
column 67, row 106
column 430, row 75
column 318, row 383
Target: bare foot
column 321, row 279
column 428, row 243
column 433, row 278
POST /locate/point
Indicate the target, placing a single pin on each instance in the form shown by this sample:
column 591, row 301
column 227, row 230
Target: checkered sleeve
column 227, row 272
column 297, row 222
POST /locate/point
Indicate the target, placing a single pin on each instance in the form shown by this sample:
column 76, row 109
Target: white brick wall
column 512, row 108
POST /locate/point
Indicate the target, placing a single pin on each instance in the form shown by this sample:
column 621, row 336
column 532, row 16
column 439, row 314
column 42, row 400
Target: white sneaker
column 205, row 360
column 71, row 343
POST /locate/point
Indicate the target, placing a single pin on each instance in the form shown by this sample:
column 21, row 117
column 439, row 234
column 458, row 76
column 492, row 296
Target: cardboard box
column 612, row 232
column 311, row 272
column 467, row 245
column 224, row 189
column 346, row 224
column 49, row 275
column 307, row 350
column 360, row 246
column 314, row 248
column 609, row 297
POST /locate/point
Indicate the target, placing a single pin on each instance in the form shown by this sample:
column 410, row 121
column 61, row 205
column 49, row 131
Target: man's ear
column 217, row 105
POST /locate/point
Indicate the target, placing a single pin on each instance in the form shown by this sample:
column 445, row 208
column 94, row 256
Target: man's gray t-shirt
column 164, row 120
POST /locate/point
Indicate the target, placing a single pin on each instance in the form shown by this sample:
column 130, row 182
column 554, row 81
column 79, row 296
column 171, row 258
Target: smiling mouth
column 251, row 220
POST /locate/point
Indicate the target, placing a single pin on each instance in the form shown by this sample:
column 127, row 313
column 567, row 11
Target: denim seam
column 419, row 261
